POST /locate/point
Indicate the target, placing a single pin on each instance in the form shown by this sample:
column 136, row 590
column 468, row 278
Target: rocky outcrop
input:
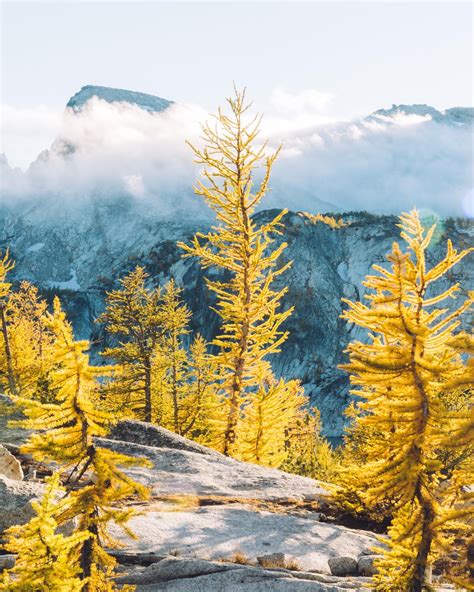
column 225, row 529
column 15, row 501
column 6, row 562
column 213, row 507
column 140, row 432
column 197, row 575
column 211, row 520
column 10, row 466
column 342, row 566
column 189, row 473
column 366, row 565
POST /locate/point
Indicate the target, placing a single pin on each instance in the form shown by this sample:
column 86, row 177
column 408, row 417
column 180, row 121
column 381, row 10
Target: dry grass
column 293, row 564
column 177, row 503
column 290, row 563
column 241, row 558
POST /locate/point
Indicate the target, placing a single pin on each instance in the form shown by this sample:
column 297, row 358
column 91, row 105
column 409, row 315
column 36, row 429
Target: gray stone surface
column 185, row 472
column 136, row 558
column 9, row 465
column 6, row 562
column 342, row 566
column 221, row 531
column 140, row 432
column 15, row 501
column 365, row 565
column 197, row 575
column 234, row 522
column 173, row 568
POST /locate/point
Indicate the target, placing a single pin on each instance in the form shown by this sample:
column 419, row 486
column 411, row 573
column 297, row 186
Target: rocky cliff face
column 81, row 254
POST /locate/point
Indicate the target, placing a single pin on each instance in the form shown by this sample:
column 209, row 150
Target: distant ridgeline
column 79, row 248
column 80, row 257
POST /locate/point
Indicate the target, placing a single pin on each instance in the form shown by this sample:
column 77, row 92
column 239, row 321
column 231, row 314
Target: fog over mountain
column 115, row 190
column 116, row 143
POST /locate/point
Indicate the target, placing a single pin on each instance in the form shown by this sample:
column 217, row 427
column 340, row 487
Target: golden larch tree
column 64, row 432
column 262, row 432
column 6, row 265
column 197, row 408
column 46, row 560
column 133, row 314
column 171, row 354
column 247, row 302
column 401, row 377
column 31, row 342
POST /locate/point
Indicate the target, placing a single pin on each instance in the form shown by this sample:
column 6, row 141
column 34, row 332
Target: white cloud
column 305, row 101
column 26, row 131
column 134, row 185
column 383, row 164
column 296, row 111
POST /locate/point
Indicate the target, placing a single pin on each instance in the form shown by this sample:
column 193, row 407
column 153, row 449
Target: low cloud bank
column 381, row 164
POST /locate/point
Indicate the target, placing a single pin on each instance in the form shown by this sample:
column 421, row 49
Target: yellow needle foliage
column 134, row 315
column 244, row 250
column 64, row 432
column 6, row 360
column 46, row 561
column 31, row 342
column 262, row 432
column 172, row 358
column 404, row 376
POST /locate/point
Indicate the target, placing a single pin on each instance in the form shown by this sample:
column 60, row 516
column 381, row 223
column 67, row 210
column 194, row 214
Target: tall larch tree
column 133, row 315
column 171, row 353
column 6, row 265
column 244, row 251
column 31, row 341
column 64, row 432
column 198, row 407
column 401, row 378
column 262, row 431
column 46, row 560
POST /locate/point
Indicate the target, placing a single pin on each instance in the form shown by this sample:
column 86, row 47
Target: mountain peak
column 453, row 116
column 117, row 95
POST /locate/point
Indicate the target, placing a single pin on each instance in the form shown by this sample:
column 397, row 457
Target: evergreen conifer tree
column 402, row 377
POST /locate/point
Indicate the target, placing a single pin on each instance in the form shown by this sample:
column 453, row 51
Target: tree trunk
column 87, row 557
column 230, row 433
column 147, row 412
column 421, row 561
column 174, row 390
column 8, row 354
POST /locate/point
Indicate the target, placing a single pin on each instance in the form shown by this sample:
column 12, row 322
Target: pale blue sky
column 367, row 55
